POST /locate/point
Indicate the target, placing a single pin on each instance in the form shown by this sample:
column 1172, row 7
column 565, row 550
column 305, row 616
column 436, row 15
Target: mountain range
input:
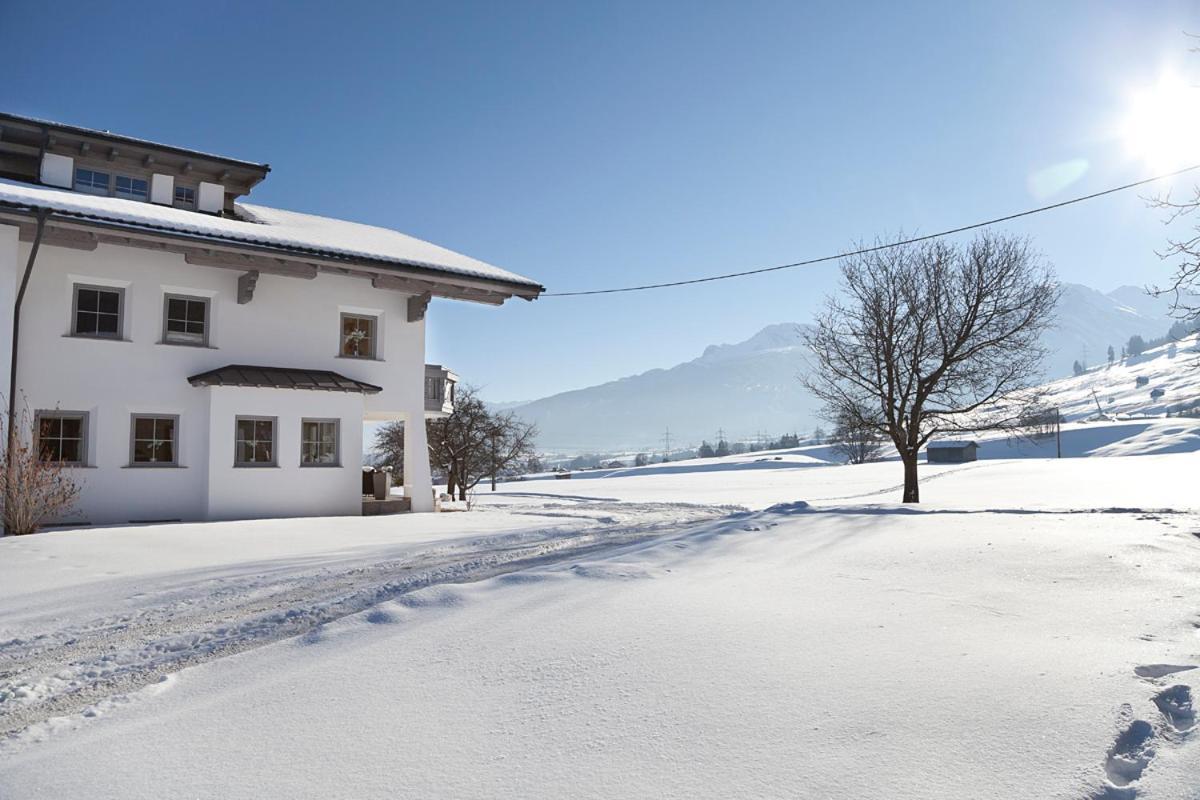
column 752, row 386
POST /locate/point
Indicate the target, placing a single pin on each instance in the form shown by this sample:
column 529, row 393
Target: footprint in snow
column 1159, row 670
column 1175, row 703
column 1130, row 753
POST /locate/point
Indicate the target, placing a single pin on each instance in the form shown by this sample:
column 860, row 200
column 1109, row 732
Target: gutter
column 9, row 453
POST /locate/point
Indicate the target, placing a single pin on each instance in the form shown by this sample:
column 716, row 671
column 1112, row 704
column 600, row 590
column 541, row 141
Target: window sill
column 154, row 466
column 360, row 358
column 87, row 338
column 185, row 344
column 257, row 466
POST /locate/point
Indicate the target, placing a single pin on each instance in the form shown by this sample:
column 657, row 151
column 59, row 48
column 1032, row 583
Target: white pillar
column 418, row 482
column 11, row 270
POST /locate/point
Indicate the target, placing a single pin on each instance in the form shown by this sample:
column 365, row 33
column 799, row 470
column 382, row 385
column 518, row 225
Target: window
column 358, row 336
column 91, row 181
column 319, row 443
column 62, row 436
column 153, row 440
column 185, row 197
column 255, row 444
column 132, row 188
column 97, row 311
column 185, row 320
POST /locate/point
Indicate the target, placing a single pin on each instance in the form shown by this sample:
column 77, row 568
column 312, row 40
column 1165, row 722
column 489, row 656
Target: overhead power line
column 883, row 246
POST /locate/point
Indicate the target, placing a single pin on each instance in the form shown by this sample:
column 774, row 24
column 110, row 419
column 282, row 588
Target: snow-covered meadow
column 740, row 627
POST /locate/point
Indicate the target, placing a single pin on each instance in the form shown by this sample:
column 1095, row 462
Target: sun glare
column 1162, row 124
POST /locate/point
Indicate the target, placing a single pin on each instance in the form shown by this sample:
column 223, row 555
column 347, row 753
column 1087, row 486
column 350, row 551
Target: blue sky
column 598, row 144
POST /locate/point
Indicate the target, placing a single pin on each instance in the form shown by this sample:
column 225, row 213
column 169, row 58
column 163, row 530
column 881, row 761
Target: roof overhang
column 239, row 176
column 317, row 380
column 84, row 232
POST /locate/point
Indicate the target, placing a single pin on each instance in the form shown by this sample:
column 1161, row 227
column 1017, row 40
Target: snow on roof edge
column 289, row 230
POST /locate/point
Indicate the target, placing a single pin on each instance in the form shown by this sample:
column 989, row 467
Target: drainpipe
column 42, row 215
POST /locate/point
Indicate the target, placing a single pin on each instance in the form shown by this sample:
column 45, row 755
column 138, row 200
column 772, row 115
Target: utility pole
column 1058, row 430
column 667, row 445
column 494, row 456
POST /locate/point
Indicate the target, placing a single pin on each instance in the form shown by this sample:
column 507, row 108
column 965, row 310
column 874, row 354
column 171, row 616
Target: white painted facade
column 148, row 222
column 290, row 322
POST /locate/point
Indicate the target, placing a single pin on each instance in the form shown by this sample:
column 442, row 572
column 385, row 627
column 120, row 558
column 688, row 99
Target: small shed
column 951, row 452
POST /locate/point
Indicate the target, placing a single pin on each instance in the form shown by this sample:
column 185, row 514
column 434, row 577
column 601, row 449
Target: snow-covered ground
column 1173, row 369
column 1029, row 631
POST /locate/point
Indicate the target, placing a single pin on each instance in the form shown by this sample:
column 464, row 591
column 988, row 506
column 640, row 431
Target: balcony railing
column 439, row 390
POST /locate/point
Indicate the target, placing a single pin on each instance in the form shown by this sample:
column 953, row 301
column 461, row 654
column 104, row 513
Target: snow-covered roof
column 264, row 226
column 951, row 444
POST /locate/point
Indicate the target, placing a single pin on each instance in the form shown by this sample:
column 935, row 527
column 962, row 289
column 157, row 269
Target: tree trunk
column 912, row 492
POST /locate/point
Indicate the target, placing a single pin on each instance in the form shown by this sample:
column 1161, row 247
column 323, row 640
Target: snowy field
column 736, row 628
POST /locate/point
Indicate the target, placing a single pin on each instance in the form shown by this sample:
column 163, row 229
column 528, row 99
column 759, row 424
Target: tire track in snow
column 78, row 667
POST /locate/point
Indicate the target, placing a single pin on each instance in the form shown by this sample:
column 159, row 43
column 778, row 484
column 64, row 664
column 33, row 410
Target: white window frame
column 133, row 440
column 337, row 441
column 237, row 462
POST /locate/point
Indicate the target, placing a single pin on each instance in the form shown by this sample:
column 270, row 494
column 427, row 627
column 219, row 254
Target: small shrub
column 32, row 489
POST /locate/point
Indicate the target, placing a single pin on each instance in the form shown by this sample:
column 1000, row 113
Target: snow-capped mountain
column 753, row 385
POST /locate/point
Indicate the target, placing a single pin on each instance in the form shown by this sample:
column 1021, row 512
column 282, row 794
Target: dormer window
column 91, row 181
column 185, row 197
column 132, row 188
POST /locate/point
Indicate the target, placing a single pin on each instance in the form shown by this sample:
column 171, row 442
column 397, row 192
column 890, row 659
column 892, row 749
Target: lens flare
column 1162, row 124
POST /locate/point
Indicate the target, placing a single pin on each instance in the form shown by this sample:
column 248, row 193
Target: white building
column 200, row 358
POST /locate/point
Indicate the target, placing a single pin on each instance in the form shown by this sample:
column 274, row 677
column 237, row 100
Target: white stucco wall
column 290, row 322
column 287, row 489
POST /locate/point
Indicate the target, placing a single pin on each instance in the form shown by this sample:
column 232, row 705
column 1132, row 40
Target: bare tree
column 468, row 445
column 510, row 444
column 34, row 488
column 933, row 338
column 852, row 440
column 1183, row 287
column 473, row 442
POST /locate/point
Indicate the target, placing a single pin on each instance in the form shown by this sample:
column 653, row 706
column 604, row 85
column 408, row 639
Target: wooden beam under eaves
column 265, row 264
column 417, row 304
column 246, row 285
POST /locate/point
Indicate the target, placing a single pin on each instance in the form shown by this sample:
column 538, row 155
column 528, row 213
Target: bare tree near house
column 854, row 441
column 470, row 444
column 33, row 489
column 933, row 338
